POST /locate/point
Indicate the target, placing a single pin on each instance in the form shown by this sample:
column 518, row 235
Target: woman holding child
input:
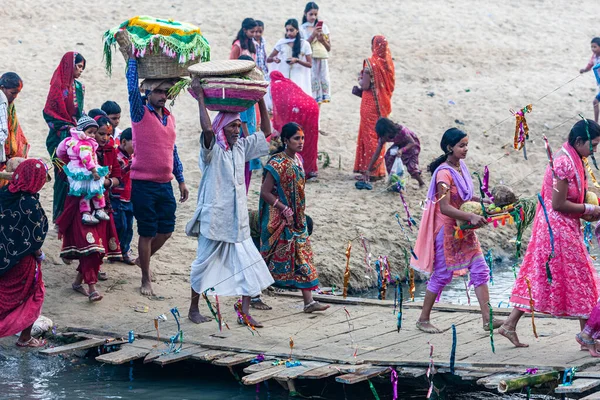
column 64, row 106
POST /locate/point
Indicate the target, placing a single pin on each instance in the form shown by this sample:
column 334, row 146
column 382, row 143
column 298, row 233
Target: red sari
column 376, row 102
column 291, row 104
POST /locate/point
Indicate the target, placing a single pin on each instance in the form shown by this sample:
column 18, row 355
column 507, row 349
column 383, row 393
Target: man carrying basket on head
column 155, row 162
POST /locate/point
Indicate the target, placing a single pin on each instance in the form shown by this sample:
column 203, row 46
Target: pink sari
column 574, row 288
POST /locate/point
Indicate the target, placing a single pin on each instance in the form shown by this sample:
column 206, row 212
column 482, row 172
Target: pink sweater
column 153, row 145
column 79, row 149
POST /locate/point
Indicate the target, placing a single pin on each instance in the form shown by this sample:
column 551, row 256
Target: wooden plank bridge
column 355, row 340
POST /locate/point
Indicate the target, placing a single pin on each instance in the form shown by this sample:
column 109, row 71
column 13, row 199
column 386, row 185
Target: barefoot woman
column 227, row 259
column 438, row 251
column 573, row 291
column 284, row 232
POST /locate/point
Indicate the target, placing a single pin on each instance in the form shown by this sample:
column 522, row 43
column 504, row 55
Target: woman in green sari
column 64, row 106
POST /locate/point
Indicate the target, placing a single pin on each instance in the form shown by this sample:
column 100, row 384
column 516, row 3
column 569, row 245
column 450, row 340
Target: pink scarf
column 579, row 171
column 218, row 126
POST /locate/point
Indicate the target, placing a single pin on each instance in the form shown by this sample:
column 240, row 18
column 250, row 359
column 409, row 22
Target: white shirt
column 3, row 125
column 222, row 210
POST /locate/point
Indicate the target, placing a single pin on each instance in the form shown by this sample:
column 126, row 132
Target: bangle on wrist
column 275, row 202
column 588, row 209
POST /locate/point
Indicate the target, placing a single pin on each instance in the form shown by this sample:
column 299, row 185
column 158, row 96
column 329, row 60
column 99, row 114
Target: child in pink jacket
column 83, row 172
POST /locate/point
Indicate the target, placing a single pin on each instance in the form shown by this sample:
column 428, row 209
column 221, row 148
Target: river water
column 26, row 375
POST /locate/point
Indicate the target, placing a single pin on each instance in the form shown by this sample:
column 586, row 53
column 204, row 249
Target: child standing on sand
column 316, row 33
column 243, row 45
column 594, row 64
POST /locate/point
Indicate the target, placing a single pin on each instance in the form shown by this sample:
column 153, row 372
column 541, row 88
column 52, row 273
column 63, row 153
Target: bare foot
column 511, row 335
column 146, row 289
column 315, row 306
column 496, row 324
column 589, row 343
column 427, row 327
column 152, row 277
column 258, row 304
column 196, row 317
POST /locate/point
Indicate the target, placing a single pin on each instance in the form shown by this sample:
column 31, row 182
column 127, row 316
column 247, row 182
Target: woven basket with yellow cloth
column 164, row 48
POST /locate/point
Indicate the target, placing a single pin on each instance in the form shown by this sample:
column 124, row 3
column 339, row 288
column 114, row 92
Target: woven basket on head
column 156, row 65
column 221, row 68
column 232, row 94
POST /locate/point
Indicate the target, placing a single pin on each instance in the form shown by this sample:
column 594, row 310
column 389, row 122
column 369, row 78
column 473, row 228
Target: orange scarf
column 383, row 74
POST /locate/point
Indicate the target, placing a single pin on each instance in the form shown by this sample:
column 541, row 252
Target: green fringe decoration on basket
column 147, row 34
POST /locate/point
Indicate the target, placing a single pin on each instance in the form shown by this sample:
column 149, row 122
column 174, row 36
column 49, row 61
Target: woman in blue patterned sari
column 285, row 245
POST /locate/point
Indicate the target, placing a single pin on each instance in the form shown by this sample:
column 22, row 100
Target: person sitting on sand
column 284, row 242
column 227, row 260
column 406, row 146
column 152, row 169
column 439, row 253
column 21, row 285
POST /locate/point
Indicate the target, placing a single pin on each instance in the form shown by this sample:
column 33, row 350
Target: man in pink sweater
column 155, row 162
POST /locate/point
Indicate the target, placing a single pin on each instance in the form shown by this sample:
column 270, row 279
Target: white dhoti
column 232, row 269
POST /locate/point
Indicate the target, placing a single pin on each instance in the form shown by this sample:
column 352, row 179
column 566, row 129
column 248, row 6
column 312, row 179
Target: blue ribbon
column 551, row 255
column 453, row 352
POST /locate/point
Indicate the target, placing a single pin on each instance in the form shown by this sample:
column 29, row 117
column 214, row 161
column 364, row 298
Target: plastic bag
column 396, row 175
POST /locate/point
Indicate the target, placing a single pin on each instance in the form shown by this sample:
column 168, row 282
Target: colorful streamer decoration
column 589, row 170
column 350, row 329
column 453, row 351
column 394, row 379
column 375, row 395
column 244, row 318
column 550, row 160
column 531, row 306
column 412, row 251
column 409, row 219
column 551, row 255
column 588, row 237
column 291, row 347
column 430, row 370
column 486, row 182
column 481, row 195
column 178, row 338
column 365, row 244
column 587, row 130
column 568, row 377
column 398, row 303
column 491, row 326
column 411, row 282
column 489, row 260
column 383, row 275
column 215, row 313
column 466, row 291
column 521, row 129
column 347, row 271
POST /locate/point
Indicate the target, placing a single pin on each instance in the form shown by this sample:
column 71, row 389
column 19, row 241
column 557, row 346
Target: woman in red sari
column 377, row 81
column 24, row 227
column 291, row 104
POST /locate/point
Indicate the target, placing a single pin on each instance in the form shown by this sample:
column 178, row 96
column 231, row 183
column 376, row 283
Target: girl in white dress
column 293, row 57
column 316, row 33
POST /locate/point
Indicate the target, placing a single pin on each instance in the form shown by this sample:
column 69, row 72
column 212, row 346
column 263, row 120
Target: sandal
column 258, row 304
column 33, row 342
column 95, row 296
column 512, row 336
column 252, row 321
column 360, row 185
column 496, row 324
column 102, row 276
column 422, row 328
column 128, row 260
column 315, row 306
column 80, row 289
column 102, row 215
column 590, row 344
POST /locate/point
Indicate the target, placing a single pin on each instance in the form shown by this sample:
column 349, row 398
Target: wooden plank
column 209, row 355
column 184, row 354
column 261, row 366
column 410, row 372
column 593, row 396
column 361, row 375
column 588, row 374
column 83, row 345
column 492, row 381
column 330, row 370
column 289, row 374
column 261, row 376
column 234, row 360
column 125, row 354
column 578, row 386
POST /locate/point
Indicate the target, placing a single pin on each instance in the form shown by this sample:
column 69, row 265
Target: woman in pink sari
column 439, row 253
column 573, row 290
column 291, row 104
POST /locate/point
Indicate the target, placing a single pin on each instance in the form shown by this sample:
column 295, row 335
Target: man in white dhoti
column 227, row 260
